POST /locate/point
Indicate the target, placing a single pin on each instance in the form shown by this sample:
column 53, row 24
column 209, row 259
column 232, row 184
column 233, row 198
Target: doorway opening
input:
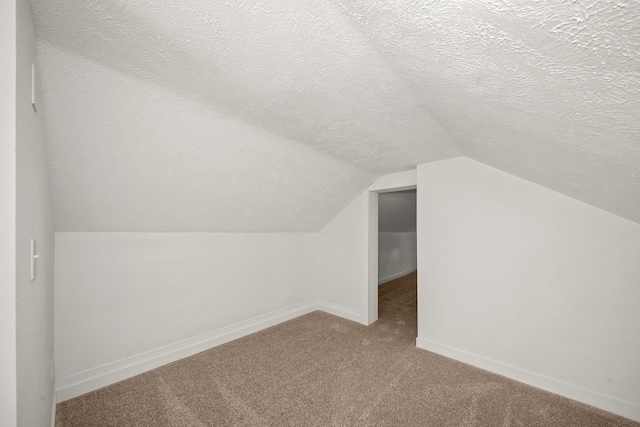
column 397, row 262
column 390, row 184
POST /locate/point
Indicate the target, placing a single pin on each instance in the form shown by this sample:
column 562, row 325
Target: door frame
column 369, row 262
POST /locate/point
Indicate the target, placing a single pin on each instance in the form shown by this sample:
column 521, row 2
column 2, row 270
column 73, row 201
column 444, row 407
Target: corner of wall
column 571, row 391
column 507, row 257
column 34, row 221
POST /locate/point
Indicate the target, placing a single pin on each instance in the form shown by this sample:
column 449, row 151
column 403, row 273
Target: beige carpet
column 321, row 370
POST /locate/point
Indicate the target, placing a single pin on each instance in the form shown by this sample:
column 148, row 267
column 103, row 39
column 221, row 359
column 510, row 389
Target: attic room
column 192, row 213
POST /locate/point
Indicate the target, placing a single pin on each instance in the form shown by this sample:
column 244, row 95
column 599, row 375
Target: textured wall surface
column 299, row 105
column 129, row 155
column 546, row 90
column 257, row 117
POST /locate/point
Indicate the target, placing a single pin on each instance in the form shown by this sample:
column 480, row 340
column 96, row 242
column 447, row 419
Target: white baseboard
column 339, row 310
column 83, row 382
column 395, row 276
column 607, row 403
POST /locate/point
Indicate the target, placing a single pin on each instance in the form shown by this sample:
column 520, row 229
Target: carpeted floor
column 321, row 370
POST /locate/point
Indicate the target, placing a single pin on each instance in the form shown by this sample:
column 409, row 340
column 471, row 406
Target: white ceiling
column 397, row 212
column 270, row 116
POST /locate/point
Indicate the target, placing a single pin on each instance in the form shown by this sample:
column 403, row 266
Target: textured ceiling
column 264, row 116
column 127, row 155
column 397, row 212
column 546, row 90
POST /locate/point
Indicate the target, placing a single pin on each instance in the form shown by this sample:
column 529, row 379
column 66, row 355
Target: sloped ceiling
column 270, row 116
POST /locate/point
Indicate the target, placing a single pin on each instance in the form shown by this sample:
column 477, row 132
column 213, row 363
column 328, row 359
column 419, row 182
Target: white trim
column 407, row 180
column 571, row 391
column 343, row 311
column 397, row 275
column 83, row 382
column 369, row 256
column 53, row 409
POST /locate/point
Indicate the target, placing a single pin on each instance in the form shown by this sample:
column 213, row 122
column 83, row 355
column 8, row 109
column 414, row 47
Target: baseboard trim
column 339, row 310
column 395, row 276
column 607, row 403
column 83, row 382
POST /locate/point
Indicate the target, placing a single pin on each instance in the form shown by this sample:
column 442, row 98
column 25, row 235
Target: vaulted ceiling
column 249, row 115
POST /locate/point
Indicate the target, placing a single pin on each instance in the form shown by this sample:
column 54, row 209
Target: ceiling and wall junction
column 272, row 116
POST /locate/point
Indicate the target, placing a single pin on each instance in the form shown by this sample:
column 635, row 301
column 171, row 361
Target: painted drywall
column 397, row 255
column 121, row 295
column 190, row 96
column 133, row 160
column 347, row 275
column 545, row 90
column 8, row 399
column 34, row 220
column 400, row 181
column 139, row 95
column 216, row 284
column 274, row 65
column 528, row 279
column 339, row 258
column 397, row 212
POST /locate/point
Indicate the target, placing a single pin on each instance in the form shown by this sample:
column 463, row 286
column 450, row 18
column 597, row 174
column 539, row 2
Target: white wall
column 397, row 211
column 122, row 295
column 7, row 213
column 34, row 220
column 397, row 255
column 347, row 268
column 339, row 258
column 530, row 283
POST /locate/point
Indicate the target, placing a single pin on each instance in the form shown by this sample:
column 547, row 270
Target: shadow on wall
column 397, row 240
